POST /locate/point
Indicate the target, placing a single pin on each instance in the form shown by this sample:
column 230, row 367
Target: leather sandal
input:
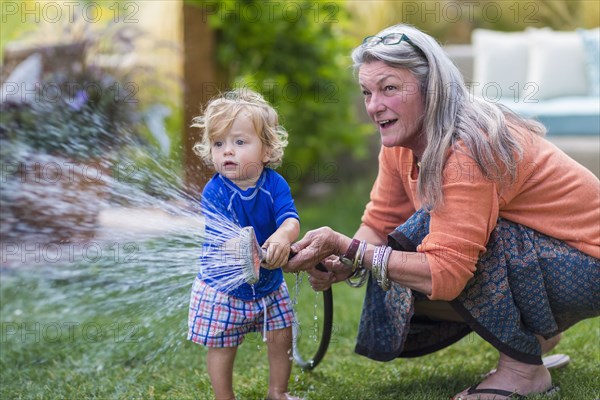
column 507, row 394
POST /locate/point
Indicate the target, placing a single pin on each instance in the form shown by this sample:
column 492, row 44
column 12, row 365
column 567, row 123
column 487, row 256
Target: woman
column 489, row 226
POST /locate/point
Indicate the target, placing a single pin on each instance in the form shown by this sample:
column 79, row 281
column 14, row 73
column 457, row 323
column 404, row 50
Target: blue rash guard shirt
column 264, row 207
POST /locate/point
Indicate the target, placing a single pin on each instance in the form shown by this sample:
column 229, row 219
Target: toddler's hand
column 277, row 246
column 276, row 254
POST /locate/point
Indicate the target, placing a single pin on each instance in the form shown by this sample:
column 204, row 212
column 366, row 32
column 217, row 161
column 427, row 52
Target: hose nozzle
column 252, row 254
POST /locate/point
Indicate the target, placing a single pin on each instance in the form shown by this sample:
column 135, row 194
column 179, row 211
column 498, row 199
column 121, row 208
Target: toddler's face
column 239, row 154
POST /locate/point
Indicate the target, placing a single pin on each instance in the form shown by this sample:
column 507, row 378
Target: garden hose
column 312, row 362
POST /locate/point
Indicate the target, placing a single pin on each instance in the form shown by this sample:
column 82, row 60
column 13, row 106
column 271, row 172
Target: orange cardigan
column 552, row 194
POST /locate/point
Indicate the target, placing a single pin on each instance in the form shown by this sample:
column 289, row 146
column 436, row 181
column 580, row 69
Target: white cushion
column 500, row 61
column 556, row 65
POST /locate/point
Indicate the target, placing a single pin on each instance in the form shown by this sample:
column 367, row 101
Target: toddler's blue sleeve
column 283, row 202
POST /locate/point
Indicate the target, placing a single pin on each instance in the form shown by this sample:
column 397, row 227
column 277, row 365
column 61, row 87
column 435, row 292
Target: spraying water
column 108, row 262
column 98, row 271
column 97, row 255
column 230, row 253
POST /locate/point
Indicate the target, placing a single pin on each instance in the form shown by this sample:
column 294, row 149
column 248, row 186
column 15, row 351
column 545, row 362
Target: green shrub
column 296, row 55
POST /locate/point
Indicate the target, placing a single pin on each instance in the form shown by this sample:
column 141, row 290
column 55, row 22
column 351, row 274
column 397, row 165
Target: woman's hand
column 320, row 280
column 336, row 272
column 314, row 247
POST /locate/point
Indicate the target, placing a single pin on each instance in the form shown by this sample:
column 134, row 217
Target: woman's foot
column 548, row 344
column 511, row 376
column 550, row 362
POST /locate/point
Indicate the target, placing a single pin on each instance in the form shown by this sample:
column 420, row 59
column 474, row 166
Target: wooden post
column 202, row 81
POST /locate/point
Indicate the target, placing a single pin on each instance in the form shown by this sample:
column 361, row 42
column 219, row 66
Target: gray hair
column 451, row 113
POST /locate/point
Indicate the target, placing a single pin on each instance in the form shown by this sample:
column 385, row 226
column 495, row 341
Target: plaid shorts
column 217, row 319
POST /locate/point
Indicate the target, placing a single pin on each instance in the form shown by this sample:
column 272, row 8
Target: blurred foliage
column 91, row 131
column 21, row 20
column 86, row 99
column 93, row 100
column 452, row 21
column 13, row 25
column 297, row 55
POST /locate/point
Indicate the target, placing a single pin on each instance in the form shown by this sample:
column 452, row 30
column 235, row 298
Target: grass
column 85, row 337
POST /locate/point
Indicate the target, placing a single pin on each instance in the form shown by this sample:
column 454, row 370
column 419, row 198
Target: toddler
column 243, row 141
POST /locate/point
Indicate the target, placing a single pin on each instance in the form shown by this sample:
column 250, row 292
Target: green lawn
column 93, row 332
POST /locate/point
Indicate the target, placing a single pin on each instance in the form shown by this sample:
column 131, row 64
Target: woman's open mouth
column 386, row 123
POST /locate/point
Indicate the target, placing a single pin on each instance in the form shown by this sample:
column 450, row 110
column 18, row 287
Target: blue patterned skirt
column 526, row 283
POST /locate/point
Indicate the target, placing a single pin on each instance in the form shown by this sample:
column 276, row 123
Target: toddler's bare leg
column 220, row 370
column 279, row 344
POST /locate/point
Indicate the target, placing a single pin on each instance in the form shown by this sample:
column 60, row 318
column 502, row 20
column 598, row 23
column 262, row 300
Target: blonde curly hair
column 220, row 113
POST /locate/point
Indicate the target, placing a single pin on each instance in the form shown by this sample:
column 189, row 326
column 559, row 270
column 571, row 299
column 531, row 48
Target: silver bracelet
column 385, row 281
column 381, row 256
column 377, row 262
column 361, row 276
column 358, row 262
column 374, row 265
